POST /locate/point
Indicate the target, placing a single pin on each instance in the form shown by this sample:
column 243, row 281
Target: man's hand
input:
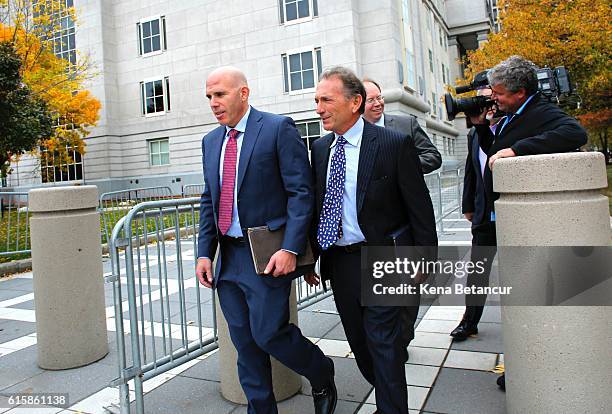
column 281, row 263
column 204, row 272
column 480, row 119
column 312, row 279
column 504, row 153
column 468, row 216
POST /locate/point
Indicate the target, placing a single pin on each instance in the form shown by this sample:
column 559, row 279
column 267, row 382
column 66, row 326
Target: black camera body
column 552, row 83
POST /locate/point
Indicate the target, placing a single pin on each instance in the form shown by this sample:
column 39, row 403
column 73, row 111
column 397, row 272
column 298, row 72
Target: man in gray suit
column 428, row 154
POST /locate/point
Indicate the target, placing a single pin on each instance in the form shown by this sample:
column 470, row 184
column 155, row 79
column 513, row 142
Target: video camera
column 552, row 83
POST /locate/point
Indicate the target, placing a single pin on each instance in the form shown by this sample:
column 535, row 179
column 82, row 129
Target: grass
column 14, row 234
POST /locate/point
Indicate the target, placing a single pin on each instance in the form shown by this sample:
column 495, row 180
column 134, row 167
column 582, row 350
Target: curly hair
column 515, row 73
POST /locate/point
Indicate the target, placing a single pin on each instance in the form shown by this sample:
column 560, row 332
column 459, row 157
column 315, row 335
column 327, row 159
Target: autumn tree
column 575, row 34
column 36, row 29
column 24, row 119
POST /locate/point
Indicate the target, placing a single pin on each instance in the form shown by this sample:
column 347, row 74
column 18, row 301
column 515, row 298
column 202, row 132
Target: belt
column 351, row 248
column 233, row 240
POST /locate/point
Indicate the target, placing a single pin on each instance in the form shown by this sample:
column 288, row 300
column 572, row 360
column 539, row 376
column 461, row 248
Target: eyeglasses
column 378, row 98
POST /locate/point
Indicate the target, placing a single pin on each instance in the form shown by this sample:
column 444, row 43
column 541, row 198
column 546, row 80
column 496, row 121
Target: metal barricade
column 163, row 316
column 116, row 204
column 14, row 224
column 193, row 190
column 445, row 189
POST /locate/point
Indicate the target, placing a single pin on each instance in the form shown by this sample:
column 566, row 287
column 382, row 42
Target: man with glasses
column 429, row 156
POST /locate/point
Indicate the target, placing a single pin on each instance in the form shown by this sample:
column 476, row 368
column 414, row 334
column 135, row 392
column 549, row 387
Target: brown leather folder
column 264, row 243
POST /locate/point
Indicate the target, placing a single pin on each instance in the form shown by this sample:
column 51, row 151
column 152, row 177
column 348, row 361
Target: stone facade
column 403, row 44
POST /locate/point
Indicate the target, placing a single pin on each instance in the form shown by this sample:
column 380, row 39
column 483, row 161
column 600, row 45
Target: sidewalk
column 442, row 377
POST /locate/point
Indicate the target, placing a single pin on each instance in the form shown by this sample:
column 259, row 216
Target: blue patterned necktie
column 330, row 222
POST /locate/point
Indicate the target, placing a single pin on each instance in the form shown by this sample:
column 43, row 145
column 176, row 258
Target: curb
column 16, row 266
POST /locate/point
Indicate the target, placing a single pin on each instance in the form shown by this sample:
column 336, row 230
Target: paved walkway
column 442, row 376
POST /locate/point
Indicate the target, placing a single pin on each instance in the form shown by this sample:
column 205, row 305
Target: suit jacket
column 274, row 182
column 541, row 128
column 408, row 125
column 474, row 200
column 392, row 198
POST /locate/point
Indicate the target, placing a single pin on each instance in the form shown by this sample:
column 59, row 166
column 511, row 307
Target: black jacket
column 392, row 198
column 541, row 128
column 474, row 200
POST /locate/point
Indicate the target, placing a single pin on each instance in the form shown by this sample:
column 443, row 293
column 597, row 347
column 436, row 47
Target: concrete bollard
column 285, row 382
column 68, row 283
column 557, row 358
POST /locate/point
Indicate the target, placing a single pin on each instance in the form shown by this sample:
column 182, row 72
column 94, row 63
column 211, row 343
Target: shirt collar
column 241, row 125
column 518, row 112
column 353, row 135
column 381, row 121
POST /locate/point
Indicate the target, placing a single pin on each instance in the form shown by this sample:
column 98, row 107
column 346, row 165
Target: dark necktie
column 330, row 222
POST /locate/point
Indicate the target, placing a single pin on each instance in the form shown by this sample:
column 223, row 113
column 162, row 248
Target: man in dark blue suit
column 369, row 191
column 256, row 173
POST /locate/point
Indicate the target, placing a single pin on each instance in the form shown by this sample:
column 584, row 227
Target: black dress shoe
column 463, row 331
column 325, row 399
column 501, row 382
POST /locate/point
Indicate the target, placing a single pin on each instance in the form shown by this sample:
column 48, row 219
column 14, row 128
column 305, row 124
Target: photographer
column 531, row 125
column 483, row 229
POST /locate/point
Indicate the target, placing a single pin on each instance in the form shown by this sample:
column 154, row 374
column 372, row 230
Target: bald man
column 257, row 173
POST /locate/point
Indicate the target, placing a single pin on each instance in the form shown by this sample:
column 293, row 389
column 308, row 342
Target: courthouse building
column 152, row 58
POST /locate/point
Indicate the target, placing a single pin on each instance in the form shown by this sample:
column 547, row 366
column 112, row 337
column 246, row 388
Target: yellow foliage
column 30, row 26
column 575, row 34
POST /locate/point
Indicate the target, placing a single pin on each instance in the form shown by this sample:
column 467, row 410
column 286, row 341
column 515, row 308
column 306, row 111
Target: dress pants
column 257, row 313
column 484, row 248
column 378, row 335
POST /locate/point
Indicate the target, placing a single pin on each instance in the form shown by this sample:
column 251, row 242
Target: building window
column 159, row 152
column 301, row 70
column 151, row 35
column 444, row 74
column 434, row 103
column 310, row 131
column 409, row 58
column 63, row 38
column 431, row 63
column 55, row 168
column 155, row 96
column 295, row 10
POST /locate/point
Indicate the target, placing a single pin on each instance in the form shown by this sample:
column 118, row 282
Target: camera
column 472, row 105
column 552, row 83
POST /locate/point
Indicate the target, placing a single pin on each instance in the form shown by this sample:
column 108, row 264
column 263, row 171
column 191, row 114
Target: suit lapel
column 213, row 163
column 322, row 161
column 367, row 156
column 476, row 157
column 254, row 124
